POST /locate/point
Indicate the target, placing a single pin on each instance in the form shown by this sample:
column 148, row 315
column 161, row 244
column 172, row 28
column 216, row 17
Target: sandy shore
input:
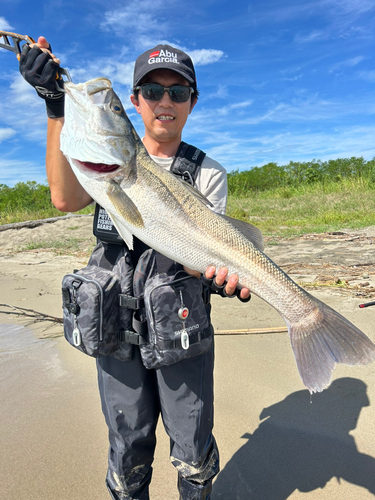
column 274, row 444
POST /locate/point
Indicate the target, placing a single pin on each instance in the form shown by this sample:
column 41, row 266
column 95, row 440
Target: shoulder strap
column 187, row 162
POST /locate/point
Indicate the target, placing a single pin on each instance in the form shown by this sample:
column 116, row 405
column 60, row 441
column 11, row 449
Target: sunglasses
column 155, row 92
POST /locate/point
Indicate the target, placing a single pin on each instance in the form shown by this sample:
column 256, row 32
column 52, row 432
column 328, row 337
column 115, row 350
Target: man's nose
column 166, row 99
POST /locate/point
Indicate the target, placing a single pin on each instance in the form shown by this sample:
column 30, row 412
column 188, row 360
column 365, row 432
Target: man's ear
column 135, row 103
column 193, row 102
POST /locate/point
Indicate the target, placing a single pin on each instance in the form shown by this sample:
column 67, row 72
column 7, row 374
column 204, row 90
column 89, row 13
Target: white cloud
column 4, row 25
column 347, row 63
column 205, row 56
column 22, row 110
column 238, row 106
column 140, row 17
column 13, row 171
column 292, row 78
column 350, row 7
column 243, row 151
column 6, row 133
column 367, row 75
column 23, row 93
column 313, row 36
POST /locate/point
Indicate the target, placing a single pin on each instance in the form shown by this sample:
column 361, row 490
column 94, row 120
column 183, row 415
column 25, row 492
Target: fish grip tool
column 367, row 304
column 13, row 42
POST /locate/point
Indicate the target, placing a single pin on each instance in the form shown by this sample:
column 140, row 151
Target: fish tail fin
column 324, row 339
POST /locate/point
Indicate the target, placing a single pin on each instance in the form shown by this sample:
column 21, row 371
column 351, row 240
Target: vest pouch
column 110, row 257
column 177, row 319
column 91, row 310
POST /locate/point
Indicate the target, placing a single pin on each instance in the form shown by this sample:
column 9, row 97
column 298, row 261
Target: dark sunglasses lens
column 179, row 93
column 152, row 91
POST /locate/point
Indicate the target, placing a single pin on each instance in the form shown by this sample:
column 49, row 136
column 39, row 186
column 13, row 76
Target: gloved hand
column 211, row 283
column 39, row 69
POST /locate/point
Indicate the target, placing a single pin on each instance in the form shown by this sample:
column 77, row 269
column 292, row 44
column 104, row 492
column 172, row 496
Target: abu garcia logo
column 162, row 56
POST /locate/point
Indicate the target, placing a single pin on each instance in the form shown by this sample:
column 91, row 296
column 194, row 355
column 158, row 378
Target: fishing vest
column 123, row 299
column 186, row 165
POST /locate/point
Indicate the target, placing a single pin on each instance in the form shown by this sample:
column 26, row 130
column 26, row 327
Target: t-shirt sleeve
column 212, row 183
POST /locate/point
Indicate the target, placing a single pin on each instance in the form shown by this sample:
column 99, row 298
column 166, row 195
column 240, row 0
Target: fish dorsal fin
column 250, row 232
column 196, row 193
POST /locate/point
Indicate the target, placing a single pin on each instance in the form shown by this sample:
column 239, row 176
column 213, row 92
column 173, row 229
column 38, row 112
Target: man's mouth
column 166, row 118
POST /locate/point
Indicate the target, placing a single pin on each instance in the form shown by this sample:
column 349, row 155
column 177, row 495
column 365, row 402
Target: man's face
column 164, row 119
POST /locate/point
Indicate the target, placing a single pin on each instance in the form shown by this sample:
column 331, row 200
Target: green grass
column 287, row 200
column 25, row 214
column 309, row 208
column 62, row 246
column 28, row 201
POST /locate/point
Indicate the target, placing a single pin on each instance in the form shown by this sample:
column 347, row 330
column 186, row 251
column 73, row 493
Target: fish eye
column 117, row 108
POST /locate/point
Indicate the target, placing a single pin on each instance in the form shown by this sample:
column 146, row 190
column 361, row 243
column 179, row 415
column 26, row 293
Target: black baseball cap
column 164, row 57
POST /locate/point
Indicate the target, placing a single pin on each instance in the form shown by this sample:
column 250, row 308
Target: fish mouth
column 98, row 167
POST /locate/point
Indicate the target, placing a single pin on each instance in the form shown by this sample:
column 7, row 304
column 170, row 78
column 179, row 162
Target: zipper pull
column 77, row 338
column 185, row 340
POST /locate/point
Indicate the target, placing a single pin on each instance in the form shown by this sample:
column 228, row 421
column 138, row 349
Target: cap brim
column 187, row 77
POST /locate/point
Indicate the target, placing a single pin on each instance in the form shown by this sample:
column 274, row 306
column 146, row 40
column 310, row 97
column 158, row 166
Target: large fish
column 144, row 200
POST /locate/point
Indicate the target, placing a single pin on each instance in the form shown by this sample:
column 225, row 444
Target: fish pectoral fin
column 250, row 232
column 123, row 231
column 124, row 205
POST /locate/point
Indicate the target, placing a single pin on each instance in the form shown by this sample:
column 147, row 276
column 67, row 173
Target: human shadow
column 300, row 446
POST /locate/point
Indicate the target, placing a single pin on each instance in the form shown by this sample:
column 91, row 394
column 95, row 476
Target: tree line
column 33, row 196
column 295, row 174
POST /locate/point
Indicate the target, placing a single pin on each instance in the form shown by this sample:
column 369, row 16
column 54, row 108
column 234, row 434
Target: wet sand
column 274, row 443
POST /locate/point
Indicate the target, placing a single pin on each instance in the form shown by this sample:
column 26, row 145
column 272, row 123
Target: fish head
column 97, row 137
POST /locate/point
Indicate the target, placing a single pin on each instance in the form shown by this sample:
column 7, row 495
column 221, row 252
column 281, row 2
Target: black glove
column 220, row 290
column 38, row 68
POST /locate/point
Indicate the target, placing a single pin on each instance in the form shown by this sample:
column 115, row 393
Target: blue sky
column 279, row 80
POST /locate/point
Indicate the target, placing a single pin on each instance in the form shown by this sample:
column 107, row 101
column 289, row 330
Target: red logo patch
column 154, row 54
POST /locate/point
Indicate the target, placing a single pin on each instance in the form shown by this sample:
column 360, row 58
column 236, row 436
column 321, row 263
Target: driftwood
column 252, row 331
column 30, row 313
column 39, row 222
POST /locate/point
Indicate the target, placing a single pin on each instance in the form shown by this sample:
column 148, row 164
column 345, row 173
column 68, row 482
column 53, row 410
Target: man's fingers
column 42, row 43
column 221, row 276
column 245, row 293
column 210, row 272
column 231, row 285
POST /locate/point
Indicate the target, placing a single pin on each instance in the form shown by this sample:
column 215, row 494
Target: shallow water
column 49, row 411
column 21, row 353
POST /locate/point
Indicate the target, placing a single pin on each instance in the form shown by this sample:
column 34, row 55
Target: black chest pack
column 117, row 302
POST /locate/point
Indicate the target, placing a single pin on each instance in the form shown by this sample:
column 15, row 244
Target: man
column 164, row 94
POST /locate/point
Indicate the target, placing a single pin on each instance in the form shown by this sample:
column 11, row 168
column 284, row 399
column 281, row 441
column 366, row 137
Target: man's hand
column 232, row 282
column 40, row 67
column 220, row 279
